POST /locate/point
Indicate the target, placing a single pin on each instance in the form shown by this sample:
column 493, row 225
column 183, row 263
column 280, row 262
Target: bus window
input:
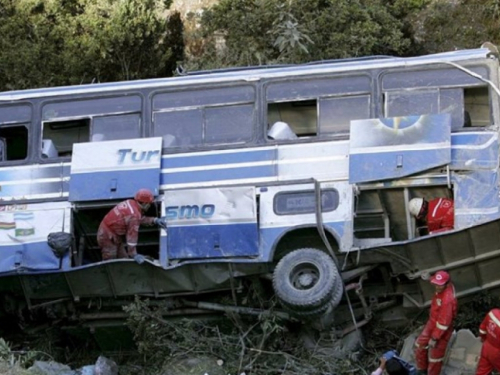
column 468, row 107
column 64, row 133
column 477, row 106
column 13, row 142
column 107, row 128
column 335, row 114
column 318, row 106
column 205, row 126
column 220, row 124
column 301, row 116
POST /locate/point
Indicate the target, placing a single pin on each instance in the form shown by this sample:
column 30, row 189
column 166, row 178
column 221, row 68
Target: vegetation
column 63, row 42
column 265, row 345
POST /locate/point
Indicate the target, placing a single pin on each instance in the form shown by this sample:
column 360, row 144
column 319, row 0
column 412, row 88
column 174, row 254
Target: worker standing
column 120, row 227
column 438, row 214
column 430, row 346
column 489, row 331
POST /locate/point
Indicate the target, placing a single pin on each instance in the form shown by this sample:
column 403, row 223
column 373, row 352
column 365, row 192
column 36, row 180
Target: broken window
column 58, row 137
column 13, row 142
column 315, row 107
column 451, row 91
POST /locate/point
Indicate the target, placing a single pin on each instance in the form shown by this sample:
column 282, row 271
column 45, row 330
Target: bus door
column 211, row 223
column 114, row 169
column 391, row 148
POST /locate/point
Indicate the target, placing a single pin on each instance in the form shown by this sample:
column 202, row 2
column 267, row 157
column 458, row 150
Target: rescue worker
column 430, row 346
column 120, row 227
column 438, row 214
column 489, row 331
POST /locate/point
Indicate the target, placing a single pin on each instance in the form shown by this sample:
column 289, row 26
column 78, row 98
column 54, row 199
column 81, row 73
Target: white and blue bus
column 299, row 174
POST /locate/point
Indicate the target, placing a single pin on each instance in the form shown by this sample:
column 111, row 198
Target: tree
column 272, row 31
column 61, row 42
column 446, row 26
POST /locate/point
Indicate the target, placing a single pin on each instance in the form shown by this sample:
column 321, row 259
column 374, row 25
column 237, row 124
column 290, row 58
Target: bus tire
column 305, row 280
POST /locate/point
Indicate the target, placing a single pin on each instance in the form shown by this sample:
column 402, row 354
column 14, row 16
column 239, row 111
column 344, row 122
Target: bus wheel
column 306, row 279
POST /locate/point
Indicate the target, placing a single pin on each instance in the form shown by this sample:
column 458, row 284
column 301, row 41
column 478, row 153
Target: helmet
column 415, row 206
column 144, row 196
column 440, row 278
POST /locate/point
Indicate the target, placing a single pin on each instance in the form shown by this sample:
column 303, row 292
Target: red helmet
column 440, row 278
column 144, row 196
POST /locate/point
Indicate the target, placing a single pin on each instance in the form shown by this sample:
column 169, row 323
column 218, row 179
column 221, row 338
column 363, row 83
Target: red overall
column 439, row 327
column 440, row 215
column 119, row 227
column 489, row 331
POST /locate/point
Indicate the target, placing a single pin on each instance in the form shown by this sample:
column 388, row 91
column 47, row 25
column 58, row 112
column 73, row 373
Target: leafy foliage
column 58, row 42
column 449, row 25
column 272, row 31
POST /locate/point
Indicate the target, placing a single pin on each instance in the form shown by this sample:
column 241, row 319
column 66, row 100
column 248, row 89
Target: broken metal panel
column 474, row 150
column 462, row 354
column 211, row 223
column 390, row 148
column 476, row 197
column 114, row 169
column 471, row 256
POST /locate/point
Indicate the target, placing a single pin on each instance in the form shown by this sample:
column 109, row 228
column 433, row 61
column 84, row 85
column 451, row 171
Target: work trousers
column 112, row 246
column 431, row 359
column 489, row 360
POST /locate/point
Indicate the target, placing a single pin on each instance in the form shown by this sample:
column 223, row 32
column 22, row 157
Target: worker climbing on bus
column 489, row 332
column 430, row 346
column 119, row 230
column 438, row 214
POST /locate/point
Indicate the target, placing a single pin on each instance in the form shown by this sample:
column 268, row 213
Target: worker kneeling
column 120, row 227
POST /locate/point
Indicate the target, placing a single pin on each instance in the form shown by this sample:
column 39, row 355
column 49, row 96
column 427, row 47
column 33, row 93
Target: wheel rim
column 304, row 276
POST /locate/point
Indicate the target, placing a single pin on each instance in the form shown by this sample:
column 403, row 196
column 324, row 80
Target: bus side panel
column 286, row 208
column 31, row 182
column 23, row 236
column 211, row 223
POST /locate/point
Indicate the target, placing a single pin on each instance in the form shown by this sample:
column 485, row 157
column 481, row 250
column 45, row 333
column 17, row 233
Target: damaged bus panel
column 295, row 181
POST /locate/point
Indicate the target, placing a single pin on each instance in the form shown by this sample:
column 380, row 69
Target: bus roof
column 253, row 73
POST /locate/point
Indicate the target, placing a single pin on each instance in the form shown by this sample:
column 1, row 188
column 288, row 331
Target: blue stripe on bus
column 30, row 173
column 235, row 173
column 213, row 241
column 470, row 139
column 20, row 189
column 214, row 158
column 97, row 185
column 384, row 165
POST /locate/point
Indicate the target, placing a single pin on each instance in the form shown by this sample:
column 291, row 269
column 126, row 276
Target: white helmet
column 415, row 206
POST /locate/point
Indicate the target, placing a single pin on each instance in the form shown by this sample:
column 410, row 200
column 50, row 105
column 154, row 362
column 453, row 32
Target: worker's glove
column 139, row 258
column 161, row 222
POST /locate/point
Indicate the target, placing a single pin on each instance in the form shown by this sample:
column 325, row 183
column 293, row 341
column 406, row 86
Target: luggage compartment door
column 391, row 148
column 211, row 223
column 114, row 169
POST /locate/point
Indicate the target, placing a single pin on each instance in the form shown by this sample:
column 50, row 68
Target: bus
column 294, row 178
